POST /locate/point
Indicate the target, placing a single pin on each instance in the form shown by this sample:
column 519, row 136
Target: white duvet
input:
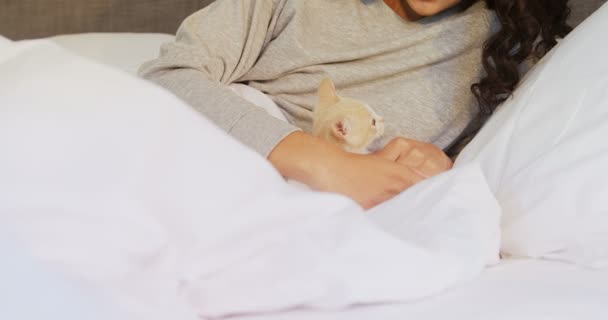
column 121, row 186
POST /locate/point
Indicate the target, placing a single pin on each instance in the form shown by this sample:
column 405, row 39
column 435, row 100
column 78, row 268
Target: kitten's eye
column 373, row 122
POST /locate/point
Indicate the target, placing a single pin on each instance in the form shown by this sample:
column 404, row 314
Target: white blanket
column 119, row 185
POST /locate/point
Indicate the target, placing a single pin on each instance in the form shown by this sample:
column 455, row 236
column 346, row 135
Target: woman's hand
column 425, row 158
column 367, row 179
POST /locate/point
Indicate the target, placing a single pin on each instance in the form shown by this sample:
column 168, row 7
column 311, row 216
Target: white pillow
column 545, row 153
column 4, row 41
column 125, row 51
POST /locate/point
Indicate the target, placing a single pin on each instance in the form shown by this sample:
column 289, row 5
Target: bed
column 517, row 289
column 535, row 283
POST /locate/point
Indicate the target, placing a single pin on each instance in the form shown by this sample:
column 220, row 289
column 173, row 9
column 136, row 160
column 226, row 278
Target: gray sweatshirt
column 417, row 75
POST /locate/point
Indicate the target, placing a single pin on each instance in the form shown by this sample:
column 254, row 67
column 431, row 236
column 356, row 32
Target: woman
column 413, row 61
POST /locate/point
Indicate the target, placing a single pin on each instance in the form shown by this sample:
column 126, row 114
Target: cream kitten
column 346, row 122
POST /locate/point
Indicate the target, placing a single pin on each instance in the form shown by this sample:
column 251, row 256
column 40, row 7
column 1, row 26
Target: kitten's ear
column 341, row 129
column 327, row 93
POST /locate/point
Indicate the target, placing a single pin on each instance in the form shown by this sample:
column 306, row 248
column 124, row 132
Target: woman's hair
column 528, row 29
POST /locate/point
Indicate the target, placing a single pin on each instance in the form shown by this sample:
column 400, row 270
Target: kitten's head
column 347, row 122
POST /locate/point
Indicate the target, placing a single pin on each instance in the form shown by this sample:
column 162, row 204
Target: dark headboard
column 581, row 9
column 21, row 19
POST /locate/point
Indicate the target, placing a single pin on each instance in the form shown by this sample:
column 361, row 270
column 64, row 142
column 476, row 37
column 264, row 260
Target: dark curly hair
column 528, row 29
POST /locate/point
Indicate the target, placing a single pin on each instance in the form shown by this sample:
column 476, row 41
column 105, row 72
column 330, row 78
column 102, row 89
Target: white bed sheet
column 125, row 51
column 512, row 290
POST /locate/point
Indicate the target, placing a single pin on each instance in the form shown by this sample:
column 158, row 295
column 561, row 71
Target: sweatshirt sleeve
column 213, row 48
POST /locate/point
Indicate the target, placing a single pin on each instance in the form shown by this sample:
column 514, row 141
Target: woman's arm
column 213, row 48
